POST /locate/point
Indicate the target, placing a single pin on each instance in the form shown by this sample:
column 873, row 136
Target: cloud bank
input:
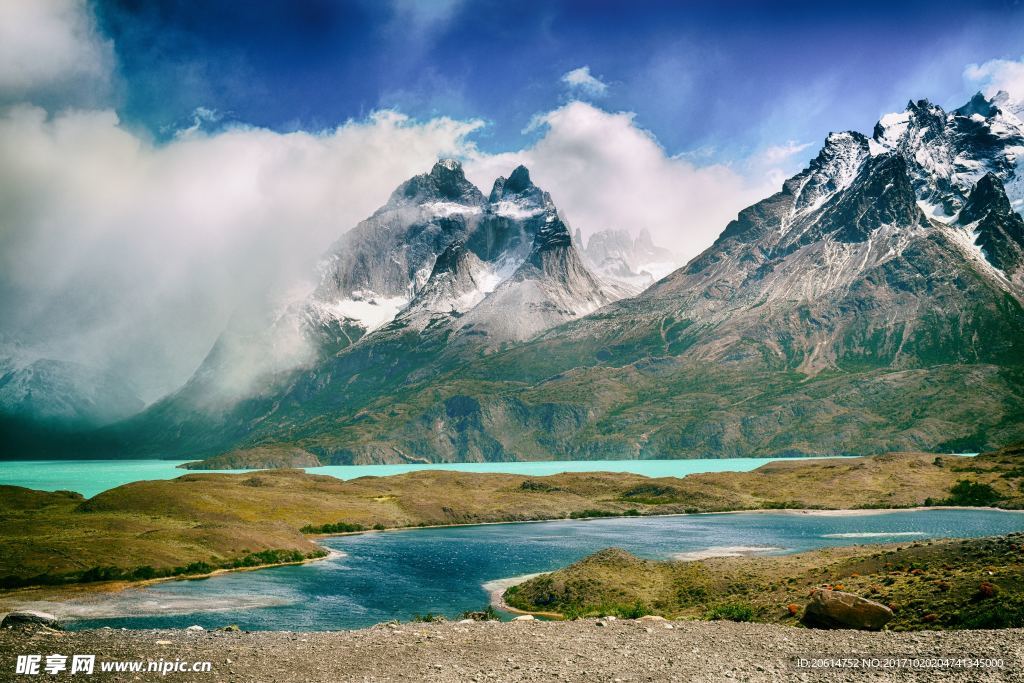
column 117, row 252
column 52, row 50
column 604, row 171
column 131, row 255
column 999, row 75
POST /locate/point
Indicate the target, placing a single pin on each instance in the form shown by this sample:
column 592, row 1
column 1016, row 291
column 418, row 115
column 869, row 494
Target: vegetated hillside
column 221, row 519
column 262, row 458
column 975, row 583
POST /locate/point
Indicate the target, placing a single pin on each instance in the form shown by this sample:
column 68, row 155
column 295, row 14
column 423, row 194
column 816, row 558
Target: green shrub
column 538, row 486
column 144, row 573
column 731, row 611
column 991, row 614
column 102, row 574
column 972, row 493
column 336, row 528
column 589, row 513
column 634, row 611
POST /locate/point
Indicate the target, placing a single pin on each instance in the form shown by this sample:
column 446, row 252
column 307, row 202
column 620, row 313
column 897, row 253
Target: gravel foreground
column 585, row 650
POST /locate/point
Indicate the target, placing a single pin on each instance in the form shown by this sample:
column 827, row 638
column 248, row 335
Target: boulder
column 836, row 609
column 29, row 618
column 652, row 617
column 525, row 617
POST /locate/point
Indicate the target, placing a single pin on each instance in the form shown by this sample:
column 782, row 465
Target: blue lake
column 90, row 477
column 375, row 577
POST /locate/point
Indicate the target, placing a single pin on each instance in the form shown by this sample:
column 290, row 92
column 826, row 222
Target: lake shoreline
column 13, row 599
column 817, row 512
column 24, row 598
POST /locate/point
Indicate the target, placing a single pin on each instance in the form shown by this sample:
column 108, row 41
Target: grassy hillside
column 504, row 407
column 976, row 583
column 261, row 457
column 213, row 520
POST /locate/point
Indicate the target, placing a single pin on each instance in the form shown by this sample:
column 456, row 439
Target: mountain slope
column 437, row 276
column 44, row 401
column 847, row 313
column 69, row 393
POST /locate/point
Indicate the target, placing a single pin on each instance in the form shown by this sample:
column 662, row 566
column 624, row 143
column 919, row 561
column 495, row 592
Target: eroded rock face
column 836, row 609
column 29, row 618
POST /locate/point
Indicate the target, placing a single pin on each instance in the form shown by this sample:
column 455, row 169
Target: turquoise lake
column 90, row 477
column 376, row 577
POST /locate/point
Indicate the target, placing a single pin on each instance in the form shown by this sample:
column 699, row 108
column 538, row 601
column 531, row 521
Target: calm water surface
column 376, row 577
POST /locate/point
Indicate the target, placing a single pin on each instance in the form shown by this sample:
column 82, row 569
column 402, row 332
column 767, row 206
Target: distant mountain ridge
column 617, row 255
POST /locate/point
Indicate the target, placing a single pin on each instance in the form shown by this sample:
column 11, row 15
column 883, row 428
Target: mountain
column 992, row 226
column 54, row 391
column 438, row 275
column 636, row 261
column 874, row 303
column 43, row 400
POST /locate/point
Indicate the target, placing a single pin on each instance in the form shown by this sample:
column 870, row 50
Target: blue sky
column 717, row 79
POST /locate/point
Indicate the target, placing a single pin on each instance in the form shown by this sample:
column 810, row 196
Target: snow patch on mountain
column 948, row 152
column 446, row 209
column 364, row 307
column 966, row 239
column 516, row 210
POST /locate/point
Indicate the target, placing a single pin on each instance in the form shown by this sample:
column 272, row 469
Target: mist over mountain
column 636, row 261
column 874, row 303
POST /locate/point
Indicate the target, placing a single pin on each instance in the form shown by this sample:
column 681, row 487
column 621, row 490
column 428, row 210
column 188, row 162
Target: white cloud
column 51, row 49
column 121, row 253
column 777, row 154
column 775, row 163
column 201, row 117
column 117, row 252
column 125, row 254
column 603, row 171
column 998, row 74
column 583, row 81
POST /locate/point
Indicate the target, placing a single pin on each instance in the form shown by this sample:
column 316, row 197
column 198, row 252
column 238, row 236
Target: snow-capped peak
column 948, row 152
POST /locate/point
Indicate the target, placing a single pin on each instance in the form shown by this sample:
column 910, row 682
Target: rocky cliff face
column 989, row 222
